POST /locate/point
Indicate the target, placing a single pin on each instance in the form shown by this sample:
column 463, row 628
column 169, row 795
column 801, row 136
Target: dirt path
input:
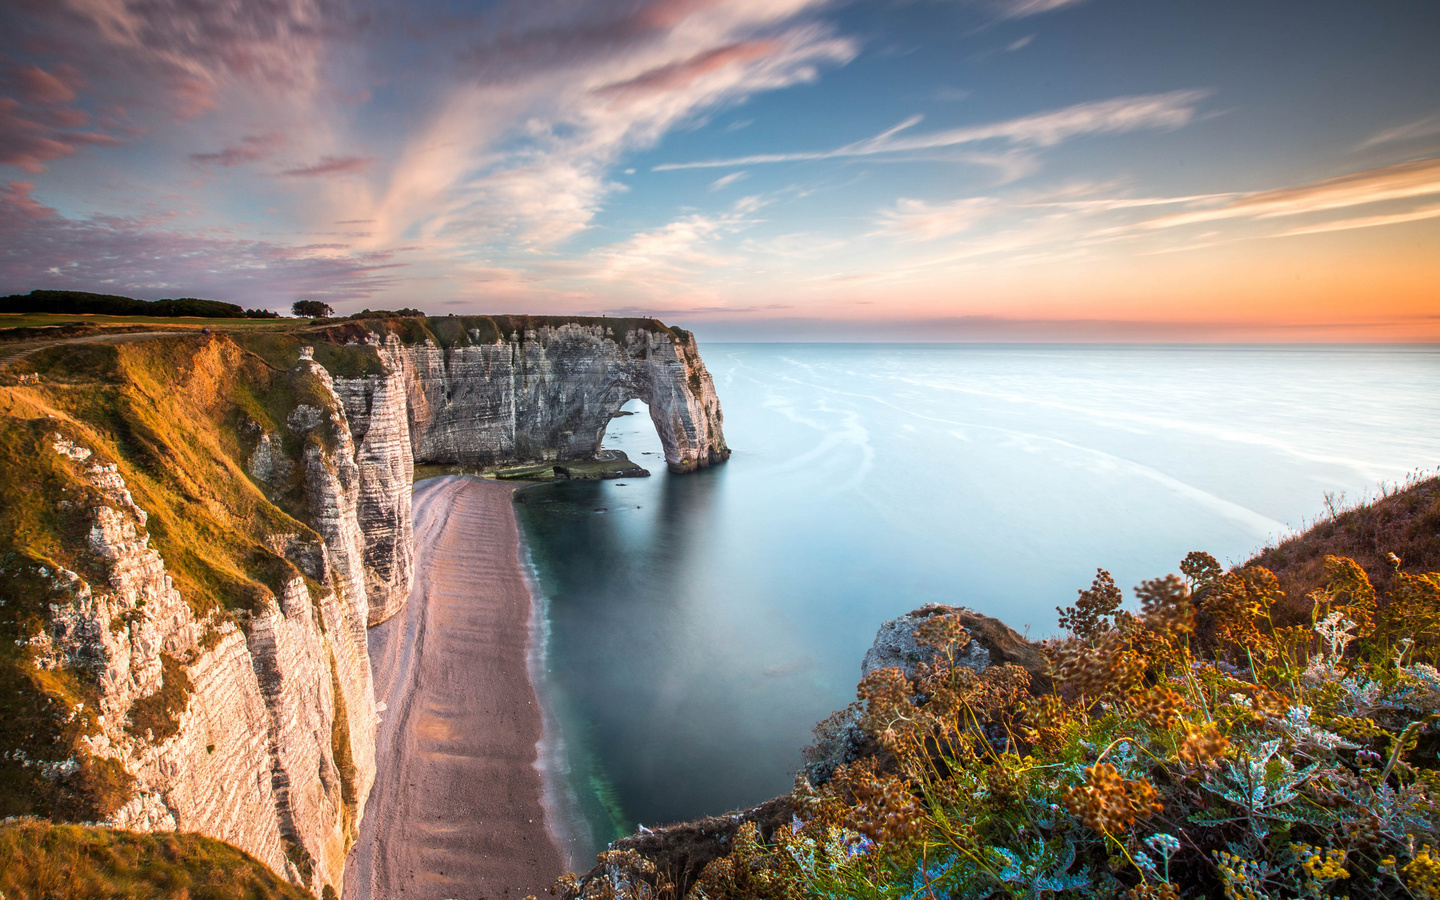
column 15, row 351
column 455, row 811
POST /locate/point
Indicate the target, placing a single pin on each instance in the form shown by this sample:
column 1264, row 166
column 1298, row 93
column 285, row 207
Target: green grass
column 41, row 860
column 36, row 320
column 158, row 715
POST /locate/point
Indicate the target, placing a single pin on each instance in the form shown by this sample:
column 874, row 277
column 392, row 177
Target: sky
column 1107, row 170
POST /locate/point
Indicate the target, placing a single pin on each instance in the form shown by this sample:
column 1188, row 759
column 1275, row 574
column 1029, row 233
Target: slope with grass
column 40, row 859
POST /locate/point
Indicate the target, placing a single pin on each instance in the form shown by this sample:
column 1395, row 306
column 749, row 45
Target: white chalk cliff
column 267, row 716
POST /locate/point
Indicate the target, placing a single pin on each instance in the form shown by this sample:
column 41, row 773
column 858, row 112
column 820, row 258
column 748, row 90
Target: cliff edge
column 198, row 528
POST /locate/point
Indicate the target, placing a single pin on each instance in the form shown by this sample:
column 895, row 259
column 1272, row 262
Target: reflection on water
column 701, row 624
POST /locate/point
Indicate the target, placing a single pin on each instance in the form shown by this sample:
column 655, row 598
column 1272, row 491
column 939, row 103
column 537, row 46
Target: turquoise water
column 699, row 625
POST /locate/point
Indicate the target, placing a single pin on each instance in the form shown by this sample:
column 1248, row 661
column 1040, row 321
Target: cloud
column 1417, row 178
column 1415, row 215
column 40, row 86
column 1019, row 44
column 135, row 256
column 1019, row 9
column 1420, row 128
column 725, row 181
column 680, row 75
column 917, row 220
column 669, row 255
column 1167, row 112
column 250, row 149
column 520, row 158
column 30, row 138
column 333, row 165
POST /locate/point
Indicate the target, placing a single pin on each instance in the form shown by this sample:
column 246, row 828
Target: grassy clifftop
column 38, row 859
column 177, row 417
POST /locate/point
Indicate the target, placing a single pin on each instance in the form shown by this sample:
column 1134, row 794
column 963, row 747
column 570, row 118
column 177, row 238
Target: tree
column 311, row 309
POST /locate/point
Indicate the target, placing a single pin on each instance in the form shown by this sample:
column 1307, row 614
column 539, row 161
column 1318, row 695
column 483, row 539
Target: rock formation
column 509, row 391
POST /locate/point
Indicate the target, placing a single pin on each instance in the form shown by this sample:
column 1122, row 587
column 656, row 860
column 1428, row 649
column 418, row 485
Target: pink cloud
column 39, row 248
column 333, row 165
column 16, row 197
column 677, row 76
column 251, row 148
column 43, row 87
column 30, row 138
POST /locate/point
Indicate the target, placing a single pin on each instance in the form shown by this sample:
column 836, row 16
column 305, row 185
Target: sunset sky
column 771, row 169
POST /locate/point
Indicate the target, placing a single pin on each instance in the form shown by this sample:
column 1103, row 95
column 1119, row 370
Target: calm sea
column 698, row 626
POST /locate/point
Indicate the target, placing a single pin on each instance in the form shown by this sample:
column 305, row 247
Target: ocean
column 695, row 628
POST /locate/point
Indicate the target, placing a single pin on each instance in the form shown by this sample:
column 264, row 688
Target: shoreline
column 459, row 804
column 568, row 829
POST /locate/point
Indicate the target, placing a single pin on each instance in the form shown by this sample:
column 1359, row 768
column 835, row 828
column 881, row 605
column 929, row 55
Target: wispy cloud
column 139, row 257
column 1414, row 215
column 252, row 148
column 1429, row 126
column 522, row 159
column 1122, row 114
column 1417, row 178
column 671, row 254
column 1017, row 9
column 918, row 220
column 725, row 181
column 332, row 165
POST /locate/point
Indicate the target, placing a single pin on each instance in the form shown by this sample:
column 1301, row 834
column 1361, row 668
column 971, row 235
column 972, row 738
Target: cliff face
column 548, row 392
column 260, row 733
column 197, row 531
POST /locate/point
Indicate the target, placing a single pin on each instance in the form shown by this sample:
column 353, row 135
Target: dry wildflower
column 1042, row 722
column 1109, row 669
column 1161, row 707
column 1237, row 604
column 886, row 810
column 1347, row 591
column 1093, row 614
column 1422, row 874
column 944, row 634
column 1166, row 605
column 886, row 694
column 1162, row 891
column 1202, row 746
column 1109, row 803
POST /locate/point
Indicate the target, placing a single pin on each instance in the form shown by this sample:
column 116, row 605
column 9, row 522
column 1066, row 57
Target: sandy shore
column 456, row 807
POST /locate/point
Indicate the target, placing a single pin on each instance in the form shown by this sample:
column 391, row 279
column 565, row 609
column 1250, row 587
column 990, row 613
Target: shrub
column 1193, row 749
column 311, row 309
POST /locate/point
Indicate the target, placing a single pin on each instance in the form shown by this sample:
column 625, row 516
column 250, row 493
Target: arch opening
column 633, row 432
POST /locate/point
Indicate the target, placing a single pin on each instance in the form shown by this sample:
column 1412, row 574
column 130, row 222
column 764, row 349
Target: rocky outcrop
column 377, row 410
column 992, row 642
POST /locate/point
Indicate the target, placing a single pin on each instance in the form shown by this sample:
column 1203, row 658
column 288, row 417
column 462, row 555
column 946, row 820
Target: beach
column 456, row 811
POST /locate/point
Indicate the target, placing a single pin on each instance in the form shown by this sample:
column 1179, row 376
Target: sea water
column 696, row 627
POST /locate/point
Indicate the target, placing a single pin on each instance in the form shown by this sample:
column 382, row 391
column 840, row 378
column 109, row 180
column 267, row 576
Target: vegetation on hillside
column 85, row 303
column 1224, row 741
column 41, row 860
column 177, row 417
column 1199, row 748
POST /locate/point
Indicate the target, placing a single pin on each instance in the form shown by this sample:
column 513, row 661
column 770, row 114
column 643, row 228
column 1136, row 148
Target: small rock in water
column 600, row 509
